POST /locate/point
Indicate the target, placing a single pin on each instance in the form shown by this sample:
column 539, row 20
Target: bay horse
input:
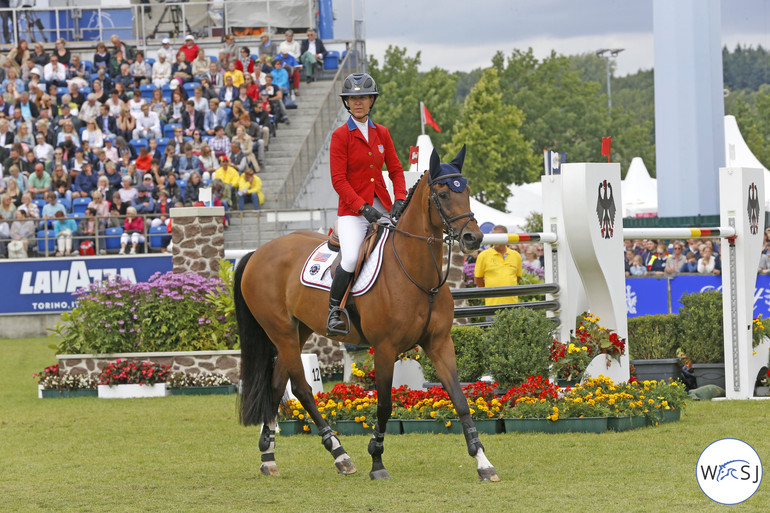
column 409, row 304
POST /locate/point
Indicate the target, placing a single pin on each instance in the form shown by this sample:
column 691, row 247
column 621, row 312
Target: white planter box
column 132, row 391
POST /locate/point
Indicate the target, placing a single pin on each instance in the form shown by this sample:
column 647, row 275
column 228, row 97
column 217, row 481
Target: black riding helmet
column 358, row 84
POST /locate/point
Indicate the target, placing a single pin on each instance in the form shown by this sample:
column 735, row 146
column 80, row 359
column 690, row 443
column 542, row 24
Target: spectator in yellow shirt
column 250, row 186
column 227, row 173
column 498, row 266
column 235, row 73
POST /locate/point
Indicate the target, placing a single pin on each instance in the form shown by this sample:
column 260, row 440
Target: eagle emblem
column 753, row 209
column 605, row 209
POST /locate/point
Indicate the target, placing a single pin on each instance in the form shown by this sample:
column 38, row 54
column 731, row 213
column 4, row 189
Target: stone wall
column 199, row 240
column 190, row 362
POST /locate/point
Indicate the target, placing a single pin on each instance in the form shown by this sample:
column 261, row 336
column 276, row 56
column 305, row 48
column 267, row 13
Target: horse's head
column 450, row 196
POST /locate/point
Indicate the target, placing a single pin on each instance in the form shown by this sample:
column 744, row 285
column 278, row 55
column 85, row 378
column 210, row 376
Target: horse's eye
column 443, row 195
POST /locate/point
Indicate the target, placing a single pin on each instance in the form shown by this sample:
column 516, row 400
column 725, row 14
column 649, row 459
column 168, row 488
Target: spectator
column 192, row 190
column 229, row 49
column 201, row 103
column 29, row 111
column 68, row 134
column 173, row 190
column 18, row 55
column 64, row 229
column 200, row 65
column 135, row 106
column 209, row 91
column 93, row 135
column 274, row 95
column 12, row 77
column 106, row 122
column 24, row 136
column 7, row 137
column 244, row 63
column 117, row 211
column 284, row 67
column 162, row 208
column 113, row 176
column 66, row 115
column 101, row 58
column 147, row 125
column 126, row 124
column 289, row 45
column 215, row 76
column 637, row 266
column 158, row 105
column 144, row 160
column 235, row 74
column 252, row 89
column 40, row 183
column 90, row 229
column 55, row 73
column 161, row 71
column 141, row 70
column 188, row 162
column 152, row 148
column 677, row 260
column 247, row 145
column 39, row 56
column 13, row 190
column 266, row 47
column 91, row 109
column 7, row 214
column 708, row 263
column 498, row 266
column 61, row 184
column 22, row 229
column 228, row 93
column 110, row 150
column 190, row 49
column 61, row 52
column 658, row 260
column 208, row 161
column 100, row 198
column 125, row 78
column 144, row 203
column 250, row 187
column 181, row 70
column 76, row 73
column 220, row 144
column 128, row 193
column 126, row 51
column 764, row 264
column 133, row 231
column 6, row 109
column 168, row 162
column 214, row 117
column 243, row 98
column 691, row 265
column 531, row 259
column 33, row 212
column 165, row 49
column 192, row 119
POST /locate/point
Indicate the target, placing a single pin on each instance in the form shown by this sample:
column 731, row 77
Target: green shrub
column 517, row 345
column 170, row 312
column 469, row 351
column 654, row 336
column 701, row 323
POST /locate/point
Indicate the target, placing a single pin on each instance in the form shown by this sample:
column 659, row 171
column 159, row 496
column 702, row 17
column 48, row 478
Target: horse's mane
column 410, row 193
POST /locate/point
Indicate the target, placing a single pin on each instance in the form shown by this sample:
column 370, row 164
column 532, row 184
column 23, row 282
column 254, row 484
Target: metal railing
column 311, row 145
column 253, row 228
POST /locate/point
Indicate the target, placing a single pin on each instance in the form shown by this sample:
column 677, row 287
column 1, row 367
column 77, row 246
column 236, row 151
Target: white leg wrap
column 481, row 460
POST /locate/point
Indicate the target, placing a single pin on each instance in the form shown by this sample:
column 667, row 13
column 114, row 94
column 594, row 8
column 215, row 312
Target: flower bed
column 536, row 405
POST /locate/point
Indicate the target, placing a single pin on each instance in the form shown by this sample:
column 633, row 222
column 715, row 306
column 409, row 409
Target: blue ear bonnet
column 439, row 169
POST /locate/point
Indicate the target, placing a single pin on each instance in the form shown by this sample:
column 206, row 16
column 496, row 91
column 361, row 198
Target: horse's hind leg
column 441, row 353
column 301, row 389
column 267, row 437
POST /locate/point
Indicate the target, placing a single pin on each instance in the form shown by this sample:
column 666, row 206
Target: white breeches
column 352, row 230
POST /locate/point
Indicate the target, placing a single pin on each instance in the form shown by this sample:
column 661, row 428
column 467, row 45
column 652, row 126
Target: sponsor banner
column 688, row 284
column 646, row 296
column 46, row 285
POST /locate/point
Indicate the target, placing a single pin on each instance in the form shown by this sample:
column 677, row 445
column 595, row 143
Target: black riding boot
column 335, row 325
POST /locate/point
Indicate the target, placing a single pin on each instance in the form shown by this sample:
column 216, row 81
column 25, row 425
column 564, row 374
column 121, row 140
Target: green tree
column 497, row 153
column 402, row 88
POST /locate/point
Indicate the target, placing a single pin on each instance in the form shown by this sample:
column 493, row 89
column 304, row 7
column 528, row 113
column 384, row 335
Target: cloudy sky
column 465, row 34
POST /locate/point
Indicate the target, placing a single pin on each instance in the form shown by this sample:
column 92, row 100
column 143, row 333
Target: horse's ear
column 459, row 159
column 435, row 164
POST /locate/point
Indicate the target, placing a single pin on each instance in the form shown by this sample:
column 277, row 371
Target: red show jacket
column 356, row 167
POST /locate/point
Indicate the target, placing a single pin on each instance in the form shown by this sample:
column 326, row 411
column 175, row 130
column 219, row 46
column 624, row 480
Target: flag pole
column 422, row 117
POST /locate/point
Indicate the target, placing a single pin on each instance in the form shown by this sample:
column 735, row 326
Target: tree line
column 509, row 113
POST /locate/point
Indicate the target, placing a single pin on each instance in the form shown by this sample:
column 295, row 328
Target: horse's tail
column 257, row 353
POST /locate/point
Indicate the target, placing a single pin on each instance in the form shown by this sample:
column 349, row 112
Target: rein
column 451, row 235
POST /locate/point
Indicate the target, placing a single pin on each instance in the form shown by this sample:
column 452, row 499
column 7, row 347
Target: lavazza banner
column 47, row 285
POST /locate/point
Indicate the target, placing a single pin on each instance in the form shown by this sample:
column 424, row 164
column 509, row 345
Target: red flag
column 429, row 119
column 414, row 153
column 606, row 146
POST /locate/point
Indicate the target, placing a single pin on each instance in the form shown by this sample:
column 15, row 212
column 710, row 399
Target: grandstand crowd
column 95, row 152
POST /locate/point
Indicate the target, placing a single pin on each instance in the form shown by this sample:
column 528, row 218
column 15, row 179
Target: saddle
column 373, row 234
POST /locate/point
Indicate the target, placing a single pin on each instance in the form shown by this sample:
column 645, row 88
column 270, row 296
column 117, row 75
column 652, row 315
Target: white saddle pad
column 316, row 271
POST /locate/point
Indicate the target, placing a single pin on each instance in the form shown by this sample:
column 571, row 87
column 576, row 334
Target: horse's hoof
column 488, row 474
column 379, row 474
column 345, row 466
column 269, row 470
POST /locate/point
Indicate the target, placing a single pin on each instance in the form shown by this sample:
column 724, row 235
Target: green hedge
column 654, row 336
column 469, row 350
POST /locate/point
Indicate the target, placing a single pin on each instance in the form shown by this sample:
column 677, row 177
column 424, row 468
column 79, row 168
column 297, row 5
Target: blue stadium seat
column 189, row 87
column 85, row 90
column 150, row 61
column 112, row 239
column 76, row 215
column 40, row 204
column 80, row 132
column 228, row 113
column 168, row 130
column 147, row 90
column 89, row 65
column 65, row 202
column 79, row 205
column 162, row 143
column 214, row 58
column 61, row 91
column 139, row 143
column 166, row 90
column 182, row 186
column 207, row 138
column 332, row 60
column 41, row 235
column 156, row 235
column 94, row 76
column 206, row 182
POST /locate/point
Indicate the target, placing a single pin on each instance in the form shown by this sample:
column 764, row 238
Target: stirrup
column 338, row 332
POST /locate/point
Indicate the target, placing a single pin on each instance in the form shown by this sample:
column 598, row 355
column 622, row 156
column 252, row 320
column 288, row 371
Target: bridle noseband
column 447, row 221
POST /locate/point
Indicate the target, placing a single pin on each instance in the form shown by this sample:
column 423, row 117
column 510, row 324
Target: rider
column 358, row 150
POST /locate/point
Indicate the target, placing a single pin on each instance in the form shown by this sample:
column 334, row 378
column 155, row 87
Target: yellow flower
column 306, row 428
column 301, row 416
column 433, row 414
column 448, row 423
column 365, row 425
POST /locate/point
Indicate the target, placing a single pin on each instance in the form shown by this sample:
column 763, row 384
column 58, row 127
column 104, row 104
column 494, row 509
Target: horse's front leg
column 441, row 353
column 383, row 372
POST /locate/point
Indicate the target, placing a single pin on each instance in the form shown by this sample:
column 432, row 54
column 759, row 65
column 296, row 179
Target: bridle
column 451, row 235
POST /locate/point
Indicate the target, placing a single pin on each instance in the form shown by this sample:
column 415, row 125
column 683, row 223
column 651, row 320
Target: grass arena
column 188, row 453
